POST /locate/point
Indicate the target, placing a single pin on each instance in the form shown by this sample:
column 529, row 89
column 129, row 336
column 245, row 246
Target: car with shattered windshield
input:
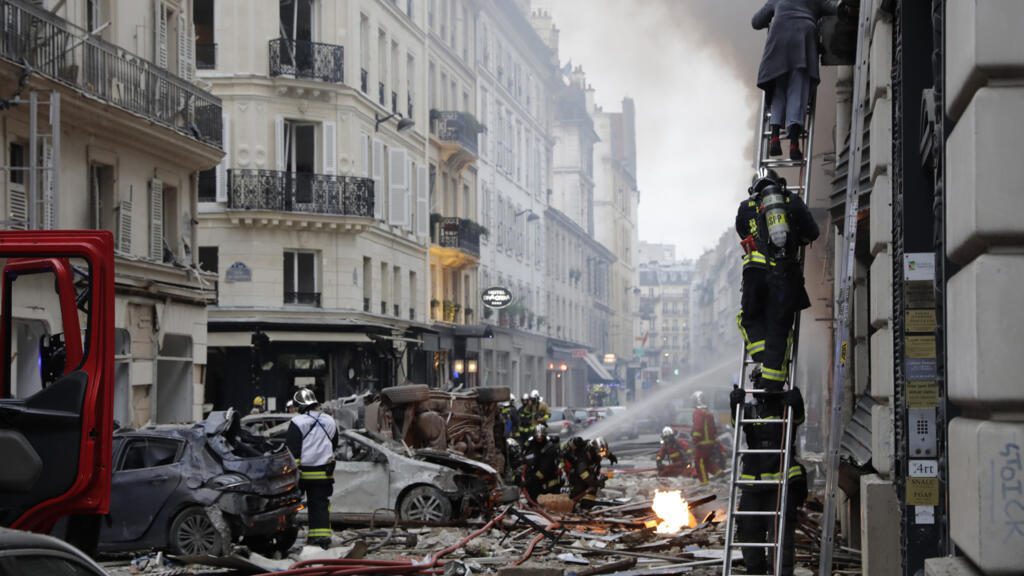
column 198, row 489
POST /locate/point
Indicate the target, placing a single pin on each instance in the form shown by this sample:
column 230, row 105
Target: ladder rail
column 842, row 337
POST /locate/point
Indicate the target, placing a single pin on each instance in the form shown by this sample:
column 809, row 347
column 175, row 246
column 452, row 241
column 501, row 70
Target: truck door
column 56, row 381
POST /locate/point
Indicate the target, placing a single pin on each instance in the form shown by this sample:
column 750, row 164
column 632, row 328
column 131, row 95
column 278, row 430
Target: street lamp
column 403, row 123
column 532, row 216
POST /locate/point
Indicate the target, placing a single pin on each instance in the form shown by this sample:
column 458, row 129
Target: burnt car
column 379, row 479
column 197, row 489
column 421, row 417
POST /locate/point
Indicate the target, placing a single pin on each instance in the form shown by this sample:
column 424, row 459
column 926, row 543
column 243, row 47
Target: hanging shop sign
column 497, row 297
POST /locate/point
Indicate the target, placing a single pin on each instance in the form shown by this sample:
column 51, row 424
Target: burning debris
column 672, row 511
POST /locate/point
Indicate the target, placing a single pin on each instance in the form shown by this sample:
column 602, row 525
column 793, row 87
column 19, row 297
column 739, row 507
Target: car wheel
column 193, row 534
column 425, row 504
column 409, row 394
column 488, row 394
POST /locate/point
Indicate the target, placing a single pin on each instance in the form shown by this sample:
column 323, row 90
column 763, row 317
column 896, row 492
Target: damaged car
column 380, row 480
column 194, row 490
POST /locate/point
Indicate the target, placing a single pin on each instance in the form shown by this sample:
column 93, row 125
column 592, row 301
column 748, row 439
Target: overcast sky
column 690, row 65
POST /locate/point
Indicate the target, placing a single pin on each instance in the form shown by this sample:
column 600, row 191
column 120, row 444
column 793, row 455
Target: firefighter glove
column 793, row 397
column 736, row 396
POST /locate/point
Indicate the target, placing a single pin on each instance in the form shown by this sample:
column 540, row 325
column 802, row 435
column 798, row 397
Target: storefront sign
column 919, row 266
column 497, row 298
column 238, row 272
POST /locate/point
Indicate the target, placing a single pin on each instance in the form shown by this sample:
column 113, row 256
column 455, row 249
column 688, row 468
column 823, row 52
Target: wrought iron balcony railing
column 303, row 298
column 65, row 53
column 276, row 190
column 454, row 232
column 453, row 126
column 309, row 60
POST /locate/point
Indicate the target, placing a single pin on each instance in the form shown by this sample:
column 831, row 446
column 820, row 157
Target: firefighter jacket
column 312, row 438
column 753, row 232
column 526, row 416
column 542, row 463
column 673, row 452
column 705, row 432
column 768, row 436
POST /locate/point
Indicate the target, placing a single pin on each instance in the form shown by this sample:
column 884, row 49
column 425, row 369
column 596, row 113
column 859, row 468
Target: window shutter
column 49, row 189
column 225, row 162
column 398, row 205
column 410, row 199
column 184, row 48
column 330, row 148
column 156, row 220
column 124, row 227
column 160, row 17
column 279, row 142
column 378, row 179
column 17, row 206
column 364, row 140
column 422, row 203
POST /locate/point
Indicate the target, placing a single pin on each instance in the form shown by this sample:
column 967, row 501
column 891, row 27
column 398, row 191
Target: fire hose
column 353, row 566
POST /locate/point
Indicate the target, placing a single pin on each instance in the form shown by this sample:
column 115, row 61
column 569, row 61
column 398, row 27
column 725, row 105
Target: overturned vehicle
column 198, row 489
column 421, row 417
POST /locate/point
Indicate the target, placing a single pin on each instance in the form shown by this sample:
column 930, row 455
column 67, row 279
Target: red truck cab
column 56, row 387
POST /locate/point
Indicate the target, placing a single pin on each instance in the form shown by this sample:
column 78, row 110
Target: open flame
column 673, row 512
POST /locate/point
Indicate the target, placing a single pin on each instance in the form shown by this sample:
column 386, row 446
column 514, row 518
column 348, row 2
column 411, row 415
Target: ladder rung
column 754, row 513
column 754, row 544
column 761, row 391
column 762, row 451
column 759, row 482
column 763, row 421
column 782, row 163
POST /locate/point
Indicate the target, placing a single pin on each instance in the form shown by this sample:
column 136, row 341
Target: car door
column 147, row 473
column 56, row 439
column 362, row 477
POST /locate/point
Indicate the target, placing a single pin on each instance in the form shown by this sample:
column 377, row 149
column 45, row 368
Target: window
column 208, row 185
column 101, row 196
column 300, row 160
column 414, row 290
column 206, row 47
column 385, row 290
column 209, row 259
column 149, row 453
column 300, row 278
column 364, row 52
column 367, row 283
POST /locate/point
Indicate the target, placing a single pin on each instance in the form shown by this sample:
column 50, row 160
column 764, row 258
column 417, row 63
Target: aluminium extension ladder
column 800, row 170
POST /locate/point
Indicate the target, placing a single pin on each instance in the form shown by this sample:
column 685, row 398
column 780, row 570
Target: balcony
column 457, row 134
column 455, row 241
column 55, row 48
column 278, row 191
column 302, row 298
column 307, row 60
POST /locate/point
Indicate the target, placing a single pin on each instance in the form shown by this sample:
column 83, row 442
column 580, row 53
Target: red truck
column 56, row 417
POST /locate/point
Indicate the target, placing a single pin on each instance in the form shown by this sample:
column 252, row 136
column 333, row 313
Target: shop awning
column 598, row 370
column 242, row 339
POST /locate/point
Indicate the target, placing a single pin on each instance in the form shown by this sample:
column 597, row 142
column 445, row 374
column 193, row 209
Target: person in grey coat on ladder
column 789, row 66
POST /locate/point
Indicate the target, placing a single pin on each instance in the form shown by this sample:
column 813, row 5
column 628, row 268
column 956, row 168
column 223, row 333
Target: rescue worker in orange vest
column 673, row 456
column 705, row 439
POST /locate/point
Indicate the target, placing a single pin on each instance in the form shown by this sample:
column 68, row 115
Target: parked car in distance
column 563, row 423
column 625, row 427
column 378, row 479
column 29, row 553
column 197, row 489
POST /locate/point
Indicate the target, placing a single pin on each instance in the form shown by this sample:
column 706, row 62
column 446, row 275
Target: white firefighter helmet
column 304, row 398
column 525, row 397
column 698, row 399
column 540, row 432
column 668, row 432
column 535, row 395
column 600, row 445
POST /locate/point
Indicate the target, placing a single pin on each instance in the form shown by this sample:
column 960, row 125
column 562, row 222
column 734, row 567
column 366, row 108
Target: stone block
column 881, row 138
column 881, row 290
column 862, row 366
column 880, row 526
column 986, row 481
column 881, row 365
column 880, row 227
column 980, row 47
column 949, row 566
column 986, row 327
column 985, row 195
column 881, row 439
column 881, row 60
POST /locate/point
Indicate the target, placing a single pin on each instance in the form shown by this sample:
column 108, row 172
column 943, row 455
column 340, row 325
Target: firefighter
column 540, row 470
column 582, row 464
column 526, row 417
column 705, row 439
column 764, row 497
column 312, row 439
column 773, row 224
column 541, row 412
column 259, row 404
column 672, row 459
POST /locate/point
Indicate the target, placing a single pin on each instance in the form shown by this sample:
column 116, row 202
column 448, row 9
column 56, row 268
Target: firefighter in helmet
column 312, row 439
column 525, row 416
column 541, row 473
column 773, row 224
column 582, row 464
column 673, row 456
column 705, row 438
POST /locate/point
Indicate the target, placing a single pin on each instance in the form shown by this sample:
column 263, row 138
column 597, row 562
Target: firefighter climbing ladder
column 802, row 170
column 848, row 264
